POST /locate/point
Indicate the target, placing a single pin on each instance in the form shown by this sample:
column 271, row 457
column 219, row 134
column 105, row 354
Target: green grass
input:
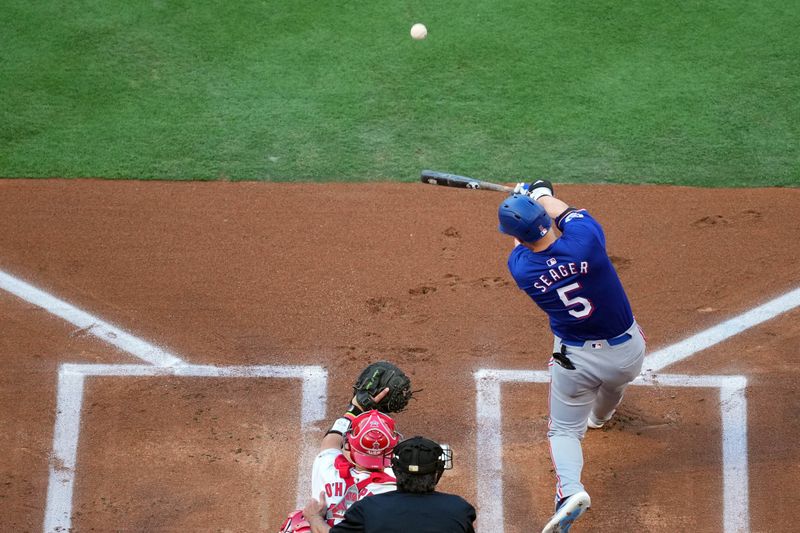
column 693, row 92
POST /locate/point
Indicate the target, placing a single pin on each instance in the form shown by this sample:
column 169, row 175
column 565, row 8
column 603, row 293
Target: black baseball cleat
column 567, row 511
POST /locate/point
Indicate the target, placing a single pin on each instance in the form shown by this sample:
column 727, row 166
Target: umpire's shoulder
column 456, row 500
column 463, row 511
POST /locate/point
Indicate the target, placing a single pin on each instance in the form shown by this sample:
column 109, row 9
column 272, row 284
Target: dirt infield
column 338, row 275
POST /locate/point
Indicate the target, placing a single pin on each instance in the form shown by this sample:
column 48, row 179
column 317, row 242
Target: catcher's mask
column 524, row 218
column 371, row 439
column 418, row 456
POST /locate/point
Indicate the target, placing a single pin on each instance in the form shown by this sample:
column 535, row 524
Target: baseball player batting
column 598, row 348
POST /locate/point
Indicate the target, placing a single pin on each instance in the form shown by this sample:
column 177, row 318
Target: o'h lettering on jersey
column 334, row 489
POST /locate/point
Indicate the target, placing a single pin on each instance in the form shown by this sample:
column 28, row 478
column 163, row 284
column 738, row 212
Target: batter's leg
column 617, row 378
column 572, row 395
column 606, row 403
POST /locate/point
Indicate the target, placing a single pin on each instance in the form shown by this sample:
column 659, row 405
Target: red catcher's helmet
column 371, row 439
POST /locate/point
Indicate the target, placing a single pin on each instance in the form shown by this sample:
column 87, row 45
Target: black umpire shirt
column 407, row 512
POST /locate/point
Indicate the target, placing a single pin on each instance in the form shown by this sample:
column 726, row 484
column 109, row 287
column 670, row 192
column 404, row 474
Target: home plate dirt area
column 172, row 352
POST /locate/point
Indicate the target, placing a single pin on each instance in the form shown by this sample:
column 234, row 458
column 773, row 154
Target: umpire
column 416, row 506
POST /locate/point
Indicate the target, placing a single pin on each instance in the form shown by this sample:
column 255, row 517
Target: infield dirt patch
column 340, row 275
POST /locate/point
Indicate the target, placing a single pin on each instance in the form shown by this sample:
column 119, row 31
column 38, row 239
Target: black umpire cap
column 418, row 456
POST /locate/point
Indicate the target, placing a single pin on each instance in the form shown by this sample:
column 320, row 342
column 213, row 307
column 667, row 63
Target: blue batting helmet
column 524, row 218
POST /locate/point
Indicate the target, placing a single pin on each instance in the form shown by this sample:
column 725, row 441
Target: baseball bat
column 463, row 182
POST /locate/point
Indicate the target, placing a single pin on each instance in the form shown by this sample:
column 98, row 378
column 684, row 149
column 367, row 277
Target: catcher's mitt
column 377, row 377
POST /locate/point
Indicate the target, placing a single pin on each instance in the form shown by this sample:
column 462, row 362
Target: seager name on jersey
column 559, row 272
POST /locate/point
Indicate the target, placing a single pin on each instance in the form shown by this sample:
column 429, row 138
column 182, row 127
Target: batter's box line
column 69, row 400
column 733, row 412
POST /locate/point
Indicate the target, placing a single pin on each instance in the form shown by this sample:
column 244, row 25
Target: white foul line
column 60, row 488
column 716, row 334
column 91, row 324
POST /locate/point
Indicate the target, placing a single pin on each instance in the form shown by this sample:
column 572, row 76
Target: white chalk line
column 736, row 477
column 60, row 485
column 733, row 410
column 716, row 334
column 60, row 489
column 91, row 324
column 489, row 481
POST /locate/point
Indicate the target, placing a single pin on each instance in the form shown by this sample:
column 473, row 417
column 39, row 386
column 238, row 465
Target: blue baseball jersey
column 574, row 282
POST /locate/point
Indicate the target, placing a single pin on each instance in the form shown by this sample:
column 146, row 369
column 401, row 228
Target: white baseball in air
column 419, row 31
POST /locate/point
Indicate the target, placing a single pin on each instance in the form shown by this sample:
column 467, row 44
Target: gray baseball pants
column 596, row 385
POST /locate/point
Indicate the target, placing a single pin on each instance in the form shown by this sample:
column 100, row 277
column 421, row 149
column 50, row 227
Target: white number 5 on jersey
column 585, row 308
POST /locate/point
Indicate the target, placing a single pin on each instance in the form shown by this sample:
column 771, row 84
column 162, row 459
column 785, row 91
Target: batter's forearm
column 553, row 206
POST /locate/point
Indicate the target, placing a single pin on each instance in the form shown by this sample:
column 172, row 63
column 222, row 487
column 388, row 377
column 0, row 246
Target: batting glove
column 540, row 188
column 522, row 188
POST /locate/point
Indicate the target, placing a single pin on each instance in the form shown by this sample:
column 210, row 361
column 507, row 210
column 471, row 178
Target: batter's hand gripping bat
column 454, row 180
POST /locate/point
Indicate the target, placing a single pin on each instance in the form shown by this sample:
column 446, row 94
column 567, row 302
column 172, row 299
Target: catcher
column 356, row 452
